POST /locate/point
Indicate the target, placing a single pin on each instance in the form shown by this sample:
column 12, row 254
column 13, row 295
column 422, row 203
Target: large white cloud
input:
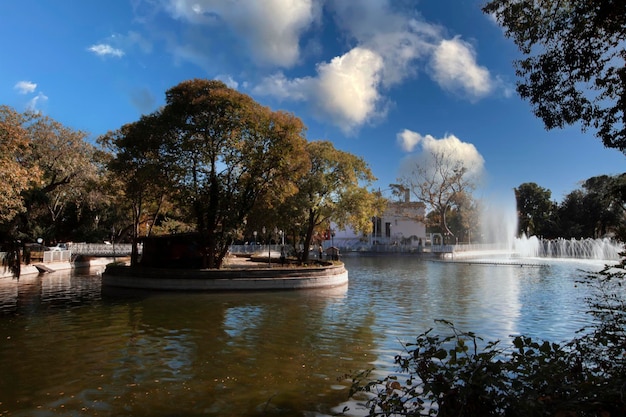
column 455, row 69
column 430, row 147
column 345, row 90
column 270, row 28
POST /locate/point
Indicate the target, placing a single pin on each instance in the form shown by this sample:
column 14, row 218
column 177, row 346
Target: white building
column 400, row 224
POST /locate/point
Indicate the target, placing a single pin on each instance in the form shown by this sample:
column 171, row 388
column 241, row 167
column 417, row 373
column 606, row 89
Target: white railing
column 478, row 247
column 102, row 249
column 252, row 249
column 57, row 256
column 442, row 248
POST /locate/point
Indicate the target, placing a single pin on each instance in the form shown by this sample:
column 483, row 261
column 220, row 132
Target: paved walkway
column 246, row 262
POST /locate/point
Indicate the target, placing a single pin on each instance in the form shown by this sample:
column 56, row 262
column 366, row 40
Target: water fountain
column 500, row 228
column 600, row 249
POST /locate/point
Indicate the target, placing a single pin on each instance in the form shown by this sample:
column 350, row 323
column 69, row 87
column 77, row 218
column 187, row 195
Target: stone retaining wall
column 225, row 279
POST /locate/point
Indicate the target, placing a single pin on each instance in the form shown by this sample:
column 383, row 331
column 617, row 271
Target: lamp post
column 254, row 233
column 269, row 250
column 332, row 237
column 282, row 237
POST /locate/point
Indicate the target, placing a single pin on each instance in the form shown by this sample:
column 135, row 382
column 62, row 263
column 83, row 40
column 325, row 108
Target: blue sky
column 384, row 80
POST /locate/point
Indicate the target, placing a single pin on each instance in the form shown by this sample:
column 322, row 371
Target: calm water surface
column 69, row 349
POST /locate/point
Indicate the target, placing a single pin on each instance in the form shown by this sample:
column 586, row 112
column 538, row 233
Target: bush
column 452, row 376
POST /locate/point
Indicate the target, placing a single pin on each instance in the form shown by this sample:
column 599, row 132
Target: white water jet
column 600, row 249
column 499, row 224
column 499, row 230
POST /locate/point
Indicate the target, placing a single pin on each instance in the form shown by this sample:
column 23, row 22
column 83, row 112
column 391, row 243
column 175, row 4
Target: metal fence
column 101, row 249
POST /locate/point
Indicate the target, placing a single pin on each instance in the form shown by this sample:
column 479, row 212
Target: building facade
column 400, row 225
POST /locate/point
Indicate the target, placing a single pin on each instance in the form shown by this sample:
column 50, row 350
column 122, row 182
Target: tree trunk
column 309, row 237
column 134, row 252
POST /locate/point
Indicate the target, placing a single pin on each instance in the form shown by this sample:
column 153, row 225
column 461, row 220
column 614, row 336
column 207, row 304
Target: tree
column 441, row 181
column 334, row 190
column 45, row 167
column 618, row 190
column 66, row 163
column 595, row 211
column 603, row 191
column 574, row 67
column 573, row 215
column 534, row 209
column 16, row 170
column 18, row 174
column 466, row 217
column 51, row 166
column 139, row 172
column 220, row 152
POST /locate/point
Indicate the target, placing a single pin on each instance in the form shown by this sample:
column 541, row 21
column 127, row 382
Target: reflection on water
column 66, row 348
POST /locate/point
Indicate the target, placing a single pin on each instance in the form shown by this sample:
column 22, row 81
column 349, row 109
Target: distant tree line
column 595, row 210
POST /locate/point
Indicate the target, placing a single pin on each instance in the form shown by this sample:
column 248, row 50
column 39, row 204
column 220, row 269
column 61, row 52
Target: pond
column 69, row 348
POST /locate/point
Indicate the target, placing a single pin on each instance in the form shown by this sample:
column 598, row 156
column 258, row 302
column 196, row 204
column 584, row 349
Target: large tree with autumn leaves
column 215, row 151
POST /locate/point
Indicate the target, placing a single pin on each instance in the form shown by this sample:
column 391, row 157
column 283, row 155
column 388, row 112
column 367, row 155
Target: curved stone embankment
column 40, row 267
column 225, row 279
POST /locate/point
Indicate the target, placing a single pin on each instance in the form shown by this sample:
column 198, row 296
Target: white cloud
column 455, row 69
column 25, row 87
column 117, row 45
column 399, row 37
column 350, row 89
column 36, row 102
column 279, row 86
column 345, row 89
column 388, row 42
column 28, row 87
column 271, row 29
column 228, row 80
column 403, row 39
column 103, row 49
column 450, row 146
column 408, row 140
